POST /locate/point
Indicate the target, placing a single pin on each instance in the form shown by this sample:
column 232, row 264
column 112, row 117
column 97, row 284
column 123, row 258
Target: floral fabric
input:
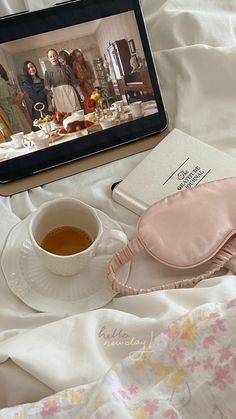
column 189, row 371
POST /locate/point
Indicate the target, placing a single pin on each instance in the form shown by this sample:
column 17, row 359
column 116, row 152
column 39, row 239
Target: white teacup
column 40, row 142
column 64, row 212
column 17, row 139
column 36, row 139
column 136, row 109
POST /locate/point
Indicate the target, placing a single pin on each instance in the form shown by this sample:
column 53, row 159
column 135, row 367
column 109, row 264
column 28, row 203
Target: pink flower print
column 133, row 389
column 219, row 325
column 233, row 363
column 208, row 363
column 124, row 394
column 152, row 406
column 177, row 352
column 208, row 341
column 170, row 413
column 50, row 407
column 173, row 331
column 225, row 353
column 222, row 377
column 231, row 304
column 192, row 364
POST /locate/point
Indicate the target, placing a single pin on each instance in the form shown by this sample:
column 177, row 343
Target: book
column 178, row 162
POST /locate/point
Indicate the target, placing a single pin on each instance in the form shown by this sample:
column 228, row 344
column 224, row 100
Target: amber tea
column 66, row 240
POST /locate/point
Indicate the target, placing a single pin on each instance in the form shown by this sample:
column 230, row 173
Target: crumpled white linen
column 194, row 49
column 186, row 372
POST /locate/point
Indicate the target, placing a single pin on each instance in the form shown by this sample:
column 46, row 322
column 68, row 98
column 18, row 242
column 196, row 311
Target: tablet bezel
column 62, row 16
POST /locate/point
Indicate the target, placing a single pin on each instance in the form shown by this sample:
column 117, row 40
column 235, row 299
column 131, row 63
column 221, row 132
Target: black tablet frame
column 58, row 17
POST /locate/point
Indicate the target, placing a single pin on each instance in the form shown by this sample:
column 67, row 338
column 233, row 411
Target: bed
column 167, row 354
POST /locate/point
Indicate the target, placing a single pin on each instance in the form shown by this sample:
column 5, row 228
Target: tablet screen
column 75, row 80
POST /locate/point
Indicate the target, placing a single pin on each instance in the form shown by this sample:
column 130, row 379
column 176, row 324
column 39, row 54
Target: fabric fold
column 194, row 50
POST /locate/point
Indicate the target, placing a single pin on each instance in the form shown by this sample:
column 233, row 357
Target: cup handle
column 110, row 241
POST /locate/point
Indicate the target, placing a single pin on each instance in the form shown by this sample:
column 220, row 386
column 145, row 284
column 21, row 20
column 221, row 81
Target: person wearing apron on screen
column 60, row 83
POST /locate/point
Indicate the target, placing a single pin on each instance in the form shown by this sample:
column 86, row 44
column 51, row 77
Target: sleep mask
column 184, row 231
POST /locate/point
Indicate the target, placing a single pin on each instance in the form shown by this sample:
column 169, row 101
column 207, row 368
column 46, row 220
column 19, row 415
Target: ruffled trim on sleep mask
column 135, row 246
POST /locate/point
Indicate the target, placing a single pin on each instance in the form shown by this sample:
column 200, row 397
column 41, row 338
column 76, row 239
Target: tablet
column 76, row 79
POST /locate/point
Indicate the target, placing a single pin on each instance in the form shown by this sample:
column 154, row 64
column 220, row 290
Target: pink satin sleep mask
column 184, row 231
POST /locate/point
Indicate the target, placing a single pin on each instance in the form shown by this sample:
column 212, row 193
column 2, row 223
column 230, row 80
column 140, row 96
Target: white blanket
column 193, row 45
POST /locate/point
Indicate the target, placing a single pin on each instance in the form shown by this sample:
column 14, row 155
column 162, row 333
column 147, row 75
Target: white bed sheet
column 194, row 50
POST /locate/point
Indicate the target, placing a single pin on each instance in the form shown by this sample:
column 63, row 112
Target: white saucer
column 47, row 292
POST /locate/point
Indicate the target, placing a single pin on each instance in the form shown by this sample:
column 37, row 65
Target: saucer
column 47, row 292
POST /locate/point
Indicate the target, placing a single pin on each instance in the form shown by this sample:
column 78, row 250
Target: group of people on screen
column 67, row 85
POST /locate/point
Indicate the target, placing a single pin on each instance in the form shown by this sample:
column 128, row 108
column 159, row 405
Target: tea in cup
column 66, row 234
column 17, row 139
column 136, row 109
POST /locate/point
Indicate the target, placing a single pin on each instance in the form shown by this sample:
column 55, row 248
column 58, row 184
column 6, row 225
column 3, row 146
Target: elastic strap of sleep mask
column 135, row 246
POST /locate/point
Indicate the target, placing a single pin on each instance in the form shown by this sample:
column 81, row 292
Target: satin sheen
column 191, row 226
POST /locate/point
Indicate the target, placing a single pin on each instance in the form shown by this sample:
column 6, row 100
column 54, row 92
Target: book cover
column 179, row 162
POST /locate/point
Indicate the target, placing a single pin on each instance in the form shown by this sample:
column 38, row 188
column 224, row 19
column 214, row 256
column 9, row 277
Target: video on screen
column 69, row 83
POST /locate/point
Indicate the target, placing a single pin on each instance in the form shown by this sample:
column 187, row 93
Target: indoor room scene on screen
column 72, row 82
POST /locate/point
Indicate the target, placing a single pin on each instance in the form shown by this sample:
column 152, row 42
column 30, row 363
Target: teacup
column 17, row 139
column 68, row 213
column 40, row 142
column 136, row 109
column 36, row 140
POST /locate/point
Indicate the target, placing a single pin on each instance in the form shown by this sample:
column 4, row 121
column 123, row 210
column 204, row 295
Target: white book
column 179, row 162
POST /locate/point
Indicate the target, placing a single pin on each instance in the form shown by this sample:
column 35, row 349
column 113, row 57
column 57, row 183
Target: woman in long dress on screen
column 8, row 102
column 65, row 60
column 60, row 83
column 84, row 73
column 5, row 127
column 33, row 86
